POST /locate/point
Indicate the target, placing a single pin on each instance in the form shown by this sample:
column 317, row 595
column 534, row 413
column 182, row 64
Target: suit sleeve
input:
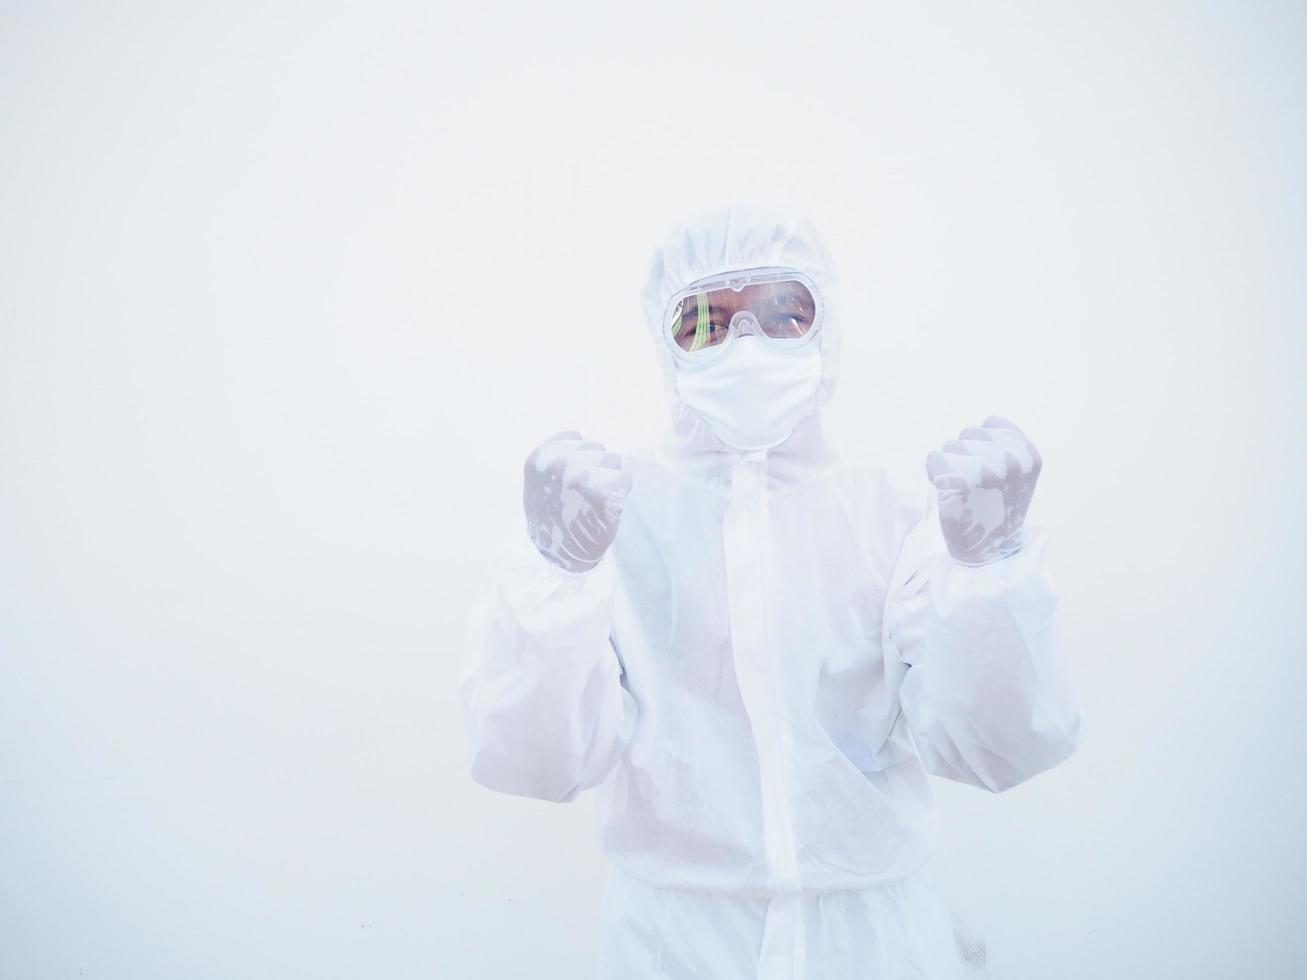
column 985, row 694
column 544, row 706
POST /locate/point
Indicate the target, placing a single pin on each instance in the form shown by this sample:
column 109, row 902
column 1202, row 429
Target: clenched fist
column 573, row 493
column 985, row 479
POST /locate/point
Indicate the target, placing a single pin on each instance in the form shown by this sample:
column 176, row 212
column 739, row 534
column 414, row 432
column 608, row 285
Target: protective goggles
column 782, row 307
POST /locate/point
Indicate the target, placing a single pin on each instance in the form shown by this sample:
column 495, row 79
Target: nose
column 745, row 323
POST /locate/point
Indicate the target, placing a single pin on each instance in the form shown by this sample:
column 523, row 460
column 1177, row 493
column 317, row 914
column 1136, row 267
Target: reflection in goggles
column 784, row 310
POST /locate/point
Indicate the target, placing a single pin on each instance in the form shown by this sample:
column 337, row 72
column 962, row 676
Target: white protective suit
column 756, row 679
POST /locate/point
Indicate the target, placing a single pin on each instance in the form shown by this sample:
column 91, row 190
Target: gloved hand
column 985, row 479
column 573, row 492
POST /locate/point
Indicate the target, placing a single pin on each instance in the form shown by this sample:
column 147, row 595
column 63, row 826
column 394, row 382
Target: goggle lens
column 785, row 310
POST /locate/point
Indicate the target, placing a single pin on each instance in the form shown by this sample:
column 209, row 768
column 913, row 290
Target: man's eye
column 690, row 328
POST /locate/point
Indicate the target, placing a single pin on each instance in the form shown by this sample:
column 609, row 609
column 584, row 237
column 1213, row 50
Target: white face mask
column 752, row 396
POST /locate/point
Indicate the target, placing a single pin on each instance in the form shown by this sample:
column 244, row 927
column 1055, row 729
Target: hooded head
column 714, row 410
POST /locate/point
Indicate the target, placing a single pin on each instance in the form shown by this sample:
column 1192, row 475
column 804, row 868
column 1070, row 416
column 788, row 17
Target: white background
column 287, row 295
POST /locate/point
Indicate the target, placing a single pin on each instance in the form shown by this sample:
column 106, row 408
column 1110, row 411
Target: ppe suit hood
column 726, row 240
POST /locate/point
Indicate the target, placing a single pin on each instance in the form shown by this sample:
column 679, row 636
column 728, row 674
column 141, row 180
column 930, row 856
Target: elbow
column 1044, row 750
column 530, row 743
column 997, row 759
column 525, row 763
column 549, row 780
column 514, row 778
column 510, row 757
column 510, row 750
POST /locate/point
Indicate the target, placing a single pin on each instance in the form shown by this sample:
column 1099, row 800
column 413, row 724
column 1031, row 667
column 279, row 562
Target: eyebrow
column 686, row 308
column 797, row 297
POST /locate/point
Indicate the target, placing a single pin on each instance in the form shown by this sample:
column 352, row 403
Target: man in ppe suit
column 756, row 650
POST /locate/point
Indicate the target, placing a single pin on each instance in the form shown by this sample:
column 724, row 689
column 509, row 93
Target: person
column 754, row 650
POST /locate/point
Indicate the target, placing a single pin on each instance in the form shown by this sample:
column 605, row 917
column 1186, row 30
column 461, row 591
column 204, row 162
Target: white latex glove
column 985, row 479
column 573, row 493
